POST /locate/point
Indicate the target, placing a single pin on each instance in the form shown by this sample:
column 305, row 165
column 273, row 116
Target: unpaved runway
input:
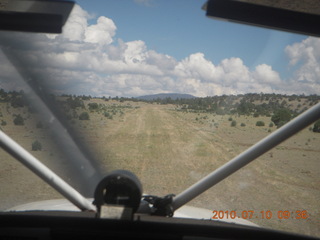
column 169, row 152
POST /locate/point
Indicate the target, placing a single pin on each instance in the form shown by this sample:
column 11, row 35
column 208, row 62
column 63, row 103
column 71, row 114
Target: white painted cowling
column 183, row 212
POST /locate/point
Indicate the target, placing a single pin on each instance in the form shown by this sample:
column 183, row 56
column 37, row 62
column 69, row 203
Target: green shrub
column 260, row 123
column 93, row 106
column 271, row 124
column 84, row 116
column 242, row 124
column 36, row 146
column 17, row 102
column 74, row 103
column 18, row 120
column 233, row 123
column 108, row 115
column 316, row 127
column 281, row 117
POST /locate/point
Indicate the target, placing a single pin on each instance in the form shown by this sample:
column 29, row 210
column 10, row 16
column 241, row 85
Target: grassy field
column 169, row 150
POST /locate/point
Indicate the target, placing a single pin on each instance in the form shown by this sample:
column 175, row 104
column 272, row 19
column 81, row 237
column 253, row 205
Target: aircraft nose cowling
column 120, row 187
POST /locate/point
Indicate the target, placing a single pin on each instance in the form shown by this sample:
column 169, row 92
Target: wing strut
column 45, row 173
column 264, row 145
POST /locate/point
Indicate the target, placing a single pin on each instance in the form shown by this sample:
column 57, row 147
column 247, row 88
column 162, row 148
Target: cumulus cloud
column 89, row 59
column 76, row 25
column 196, row 66
column 77, row 29
column 264, row 74
column 200, row 76
column 306, row 54
column 102, row 32
column 235, row 71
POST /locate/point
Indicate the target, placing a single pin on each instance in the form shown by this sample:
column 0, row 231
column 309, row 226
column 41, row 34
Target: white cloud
column 77, row 28
column 201, row 77
column 8, row 74
column 196, row 66
column 307, row 54
column 264, row 74
column 76, row 25
column 88, row 59
column 234, row 71
column 164, row 62
column 135, row 52
column 102, row 32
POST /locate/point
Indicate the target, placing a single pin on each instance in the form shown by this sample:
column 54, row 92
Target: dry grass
column 170, row 150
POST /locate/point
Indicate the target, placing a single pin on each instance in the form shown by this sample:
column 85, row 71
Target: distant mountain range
column 173, row 96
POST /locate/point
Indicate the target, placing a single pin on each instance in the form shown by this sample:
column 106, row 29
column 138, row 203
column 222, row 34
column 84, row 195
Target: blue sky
column 180, row 28
column 138, row 47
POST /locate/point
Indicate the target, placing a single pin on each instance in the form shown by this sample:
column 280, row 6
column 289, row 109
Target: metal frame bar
column 34, row 16
column 18, row 152
column 264, row 16
column 264, row 145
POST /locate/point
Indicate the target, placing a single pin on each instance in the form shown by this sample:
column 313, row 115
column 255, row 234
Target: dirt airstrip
column 170, row 150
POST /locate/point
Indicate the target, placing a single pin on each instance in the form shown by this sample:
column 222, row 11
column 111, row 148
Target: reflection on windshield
column 170, row 144
column 107, row 92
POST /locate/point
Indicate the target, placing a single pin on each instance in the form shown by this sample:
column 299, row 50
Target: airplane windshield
column 161, row 90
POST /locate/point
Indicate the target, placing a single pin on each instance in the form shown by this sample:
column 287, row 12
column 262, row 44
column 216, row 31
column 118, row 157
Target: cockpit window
column 157, row 88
